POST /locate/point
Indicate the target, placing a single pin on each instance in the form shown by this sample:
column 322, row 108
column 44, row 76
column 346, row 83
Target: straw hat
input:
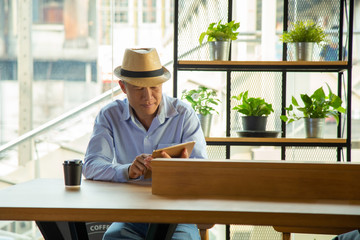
column 142, row 67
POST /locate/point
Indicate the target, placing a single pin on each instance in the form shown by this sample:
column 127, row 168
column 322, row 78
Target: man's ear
column 122, row 85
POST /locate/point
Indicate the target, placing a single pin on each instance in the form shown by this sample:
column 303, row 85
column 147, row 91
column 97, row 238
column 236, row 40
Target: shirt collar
column 127, row 109
column 166, row 109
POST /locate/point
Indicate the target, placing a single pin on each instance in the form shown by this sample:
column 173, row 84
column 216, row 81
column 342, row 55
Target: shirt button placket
column 147, row 144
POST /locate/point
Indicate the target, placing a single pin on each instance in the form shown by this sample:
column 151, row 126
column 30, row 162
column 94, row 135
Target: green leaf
column 294, row 102
column 306, row 99
column 201, row 99
column 284, row 118
column 201, row 38
column 252, row 106
column 317, row 105
column 336, row 102
column 319, row 95
column 341, row 109
column 304, row 31
column 220, row 32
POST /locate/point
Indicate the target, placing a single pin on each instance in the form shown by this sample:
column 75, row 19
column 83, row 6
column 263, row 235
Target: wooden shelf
column 331, row 142
column 280, row 75
column 314, row 66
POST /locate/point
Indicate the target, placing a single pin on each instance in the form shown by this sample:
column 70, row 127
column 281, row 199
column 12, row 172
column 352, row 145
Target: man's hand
column 184, row 154
column 140, row 165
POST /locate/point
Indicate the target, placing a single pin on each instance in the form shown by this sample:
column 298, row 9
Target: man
column 330, row 52
column 126, row 132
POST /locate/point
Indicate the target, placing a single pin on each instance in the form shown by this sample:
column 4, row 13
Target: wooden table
column 48, row 200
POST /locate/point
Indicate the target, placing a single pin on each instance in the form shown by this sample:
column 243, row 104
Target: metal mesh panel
column 194, row 18
column 326, row 13
column 214, row 80
column 216, row 152
column 245, row 232
column 355, row 126
column 266, row 85
column 321, row 154
column 255, row 152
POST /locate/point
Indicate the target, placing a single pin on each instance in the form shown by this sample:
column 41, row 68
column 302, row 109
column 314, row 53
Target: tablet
column 174, row 152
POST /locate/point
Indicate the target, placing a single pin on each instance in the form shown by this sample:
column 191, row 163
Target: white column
column 268, row 46
column 88, row 74
column 25, row 75
column 268, row 30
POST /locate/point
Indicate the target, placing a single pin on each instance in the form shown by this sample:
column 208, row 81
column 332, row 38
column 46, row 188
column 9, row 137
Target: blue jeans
column 353, row 235
column 137, row 231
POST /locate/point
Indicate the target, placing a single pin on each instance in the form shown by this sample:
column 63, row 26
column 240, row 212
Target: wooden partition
column 256, row 179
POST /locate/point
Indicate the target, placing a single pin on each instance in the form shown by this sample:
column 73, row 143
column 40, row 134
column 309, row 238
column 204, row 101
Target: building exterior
column 75, row 45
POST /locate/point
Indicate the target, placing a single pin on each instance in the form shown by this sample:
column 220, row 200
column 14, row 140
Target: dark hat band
column 133, row 74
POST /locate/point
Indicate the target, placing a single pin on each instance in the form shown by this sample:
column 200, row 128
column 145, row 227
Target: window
column 121, row 11
column 149, row 11
column 48, row 11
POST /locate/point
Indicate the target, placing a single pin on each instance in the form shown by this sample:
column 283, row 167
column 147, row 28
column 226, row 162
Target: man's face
column 144, row 100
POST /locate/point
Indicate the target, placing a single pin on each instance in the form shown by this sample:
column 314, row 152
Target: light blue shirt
column 118, row 137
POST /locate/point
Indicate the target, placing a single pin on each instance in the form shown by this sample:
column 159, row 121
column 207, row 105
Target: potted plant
column 304, row 34
column 202, row 100
column 219, row 37
column 256, row 111
column 316, row 108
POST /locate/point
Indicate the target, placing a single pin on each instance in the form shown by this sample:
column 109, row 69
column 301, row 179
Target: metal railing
column 70, row 114
column 52, row 123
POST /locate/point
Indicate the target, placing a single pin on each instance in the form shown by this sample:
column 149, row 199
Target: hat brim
column 143, row 82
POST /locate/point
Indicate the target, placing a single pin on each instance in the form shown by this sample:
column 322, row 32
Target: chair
column 73, row 230
column 204, row 230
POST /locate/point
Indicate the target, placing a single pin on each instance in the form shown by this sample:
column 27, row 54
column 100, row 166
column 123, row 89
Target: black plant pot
column 254, row 123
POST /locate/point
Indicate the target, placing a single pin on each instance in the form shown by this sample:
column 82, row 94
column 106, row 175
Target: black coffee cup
column 72, row 173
